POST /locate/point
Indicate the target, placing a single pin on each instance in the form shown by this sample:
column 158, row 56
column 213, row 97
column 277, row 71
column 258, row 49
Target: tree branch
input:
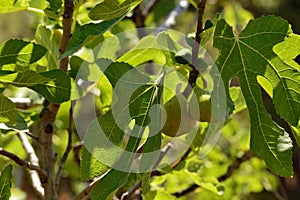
column 35, row 179
column 68, row 149
column 236, row 165
column 67, row 32
column 47, row 117
column 22, row 163
column 48, row 114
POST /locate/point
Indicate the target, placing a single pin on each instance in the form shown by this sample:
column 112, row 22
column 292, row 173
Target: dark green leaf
column 8, row 111
column 5, row 183
column 115, row 72
column 80, row 36
column 109, row 183
column 102, row 137
column 55, row 4
column 90, row 166
column 58, row 89
column 132, row 87
column 107, row 10
column 146, row 182
column 20, row 52
column 54, row 10
column 248, row 55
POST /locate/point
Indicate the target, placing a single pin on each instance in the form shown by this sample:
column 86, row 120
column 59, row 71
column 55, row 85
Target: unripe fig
column 204, row 112
column 205, row 108
column 178, row 119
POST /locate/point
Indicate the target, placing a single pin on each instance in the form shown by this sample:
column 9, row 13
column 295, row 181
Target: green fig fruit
column 203, row 112
column 178, row 119
column 205, row 108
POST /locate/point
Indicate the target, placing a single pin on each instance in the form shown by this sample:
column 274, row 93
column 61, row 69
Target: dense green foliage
column 130, row 77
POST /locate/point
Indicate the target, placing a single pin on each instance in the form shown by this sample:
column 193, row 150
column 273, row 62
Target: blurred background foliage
column 251, row 181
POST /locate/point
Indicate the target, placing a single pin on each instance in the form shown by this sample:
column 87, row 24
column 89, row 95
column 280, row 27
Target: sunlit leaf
column 23, row 79
column 50, row 41
column 208, row 183
column 288, row 50
column 12, row 5
column 147, row 49
column 80, row 36
column 158, row 195
column 107, row 10
column 20, row 125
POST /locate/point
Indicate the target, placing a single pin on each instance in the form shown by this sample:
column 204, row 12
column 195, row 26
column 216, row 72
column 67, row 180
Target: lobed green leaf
column 247, row 56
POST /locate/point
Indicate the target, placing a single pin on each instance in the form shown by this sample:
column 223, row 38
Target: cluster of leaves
column 261, row 55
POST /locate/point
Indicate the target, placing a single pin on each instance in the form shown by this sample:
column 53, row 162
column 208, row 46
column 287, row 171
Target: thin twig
column 35, row 179
column 32, row 136
column 68, row 148
column 128, row 194
column 22, row 163
column 236, row 165
column 87, row 191
column 195, row 73
column 76, row 151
